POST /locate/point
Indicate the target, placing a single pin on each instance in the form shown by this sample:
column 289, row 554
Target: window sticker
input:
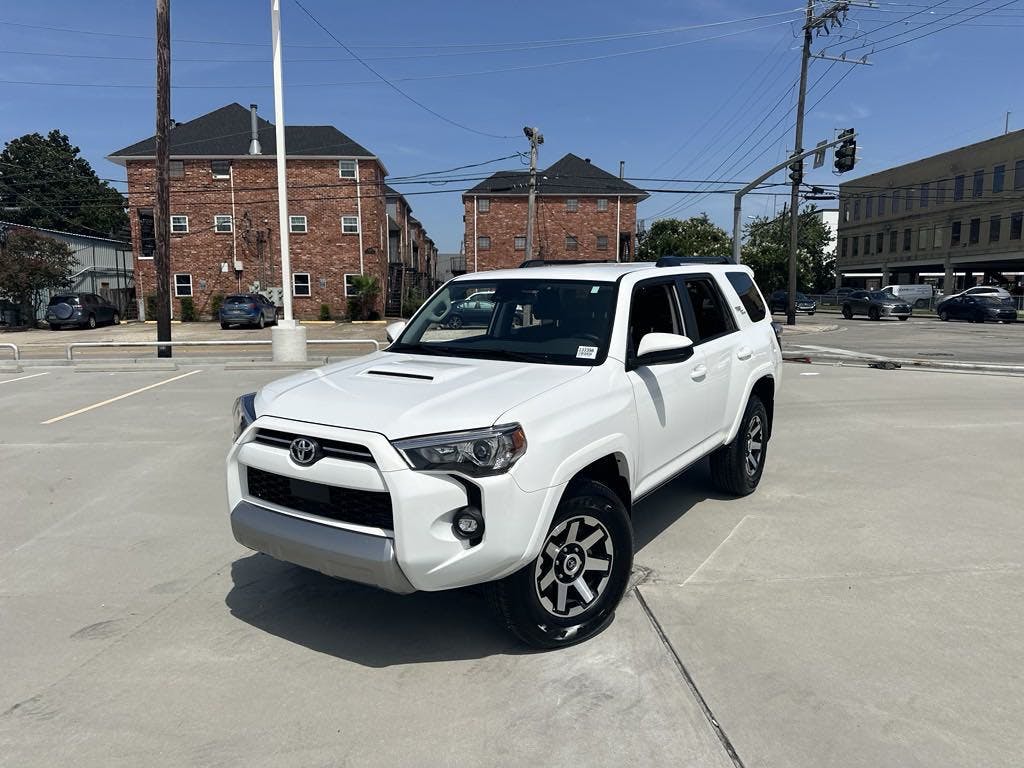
column 587, row 353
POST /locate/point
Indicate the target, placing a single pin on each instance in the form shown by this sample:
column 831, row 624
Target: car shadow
column 655, row 513
column 378, row 629
column 364, row 625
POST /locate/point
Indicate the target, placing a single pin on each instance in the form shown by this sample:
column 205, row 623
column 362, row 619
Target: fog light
column 468, row 523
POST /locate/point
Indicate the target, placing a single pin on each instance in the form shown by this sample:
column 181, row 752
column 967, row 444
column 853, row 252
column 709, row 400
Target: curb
column 890, row 363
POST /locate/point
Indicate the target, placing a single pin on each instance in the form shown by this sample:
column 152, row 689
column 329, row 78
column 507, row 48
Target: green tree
column 31, row 266
column 696, row 236
column 366, row 289
column 44, row 182
column 766, row 251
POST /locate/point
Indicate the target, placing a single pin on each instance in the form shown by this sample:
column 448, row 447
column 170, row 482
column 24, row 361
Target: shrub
column 412, row 302
column 325, row 312
column 216, row 302
column 366, row 289
column 188, row 310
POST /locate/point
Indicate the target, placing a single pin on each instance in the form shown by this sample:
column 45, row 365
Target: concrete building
column 224, row 213
column 583, row 212
column 953, row 219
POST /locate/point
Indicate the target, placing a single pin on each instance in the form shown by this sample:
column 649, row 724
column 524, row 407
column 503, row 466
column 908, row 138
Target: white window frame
column 216, row 175
column 218, row 219
column 308, row 286
column 597, row 242
column 483, row 204
column 353, row 292
column 291, row 226
column 178, row 292
column 572, row 205
column 174, row 229
column 355, row 223
column 354, row 169
column 602, row 204
column 515, row 242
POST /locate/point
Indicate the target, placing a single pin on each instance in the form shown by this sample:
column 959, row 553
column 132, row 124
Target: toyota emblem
column 304, row 451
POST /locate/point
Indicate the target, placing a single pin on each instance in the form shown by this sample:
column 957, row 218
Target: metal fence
column 13, row 348
column 832, row 302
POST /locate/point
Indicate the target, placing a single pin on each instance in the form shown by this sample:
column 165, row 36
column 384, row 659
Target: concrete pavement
column 859, row 609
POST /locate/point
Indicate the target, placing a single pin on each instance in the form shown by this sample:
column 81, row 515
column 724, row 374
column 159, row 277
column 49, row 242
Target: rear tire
column 261, row 323
column 91, row 322
column 116, row 319
column 54, row 327
column 570, row 591
column 943, row 315
column 225, row 326
column 847, row 312
column 736, row 468
column 904, row 318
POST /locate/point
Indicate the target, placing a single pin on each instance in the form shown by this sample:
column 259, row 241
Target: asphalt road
column 918, row 337
column 860, row 609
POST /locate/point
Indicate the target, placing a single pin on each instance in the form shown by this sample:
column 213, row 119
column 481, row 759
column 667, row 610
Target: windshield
column 565, row 322
column 881, row 296
column 239, row 300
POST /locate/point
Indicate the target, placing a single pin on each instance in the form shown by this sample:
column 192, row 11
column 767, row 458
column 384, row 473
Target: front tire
column 847, row 312
column 91, row 322
column 115, row 319
column 736, row 468
column 261, row 323
column 570, row 591
column 225, row 326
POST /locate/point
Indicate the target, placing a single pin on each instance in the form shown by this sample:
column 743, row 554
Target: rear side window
column 749, row 295
column 63, row 300
column 710, row 312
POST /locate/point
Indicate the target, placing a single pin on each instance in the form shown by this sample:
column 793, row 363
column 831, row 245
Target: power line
column 942, row 29
column 409, row 78
column 390, row 46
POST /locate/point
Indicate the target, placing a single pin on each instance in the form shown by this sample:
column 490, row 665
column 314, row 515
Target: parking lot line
column 119, row 397
column 22, row 378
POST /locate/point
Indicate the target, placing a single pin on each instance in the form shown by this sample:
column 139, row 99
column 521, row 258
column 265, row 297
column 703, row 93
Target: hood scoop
column 400, row 375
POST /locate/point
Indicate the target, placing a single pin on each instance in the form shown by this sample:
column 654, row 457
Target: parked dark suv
column 247, row 309
column 83, row 310
column 779, row 302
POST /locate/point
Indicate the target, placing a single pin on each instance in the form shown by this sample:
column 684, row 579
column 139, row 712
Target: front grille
column 332, row 448
column 346, row 505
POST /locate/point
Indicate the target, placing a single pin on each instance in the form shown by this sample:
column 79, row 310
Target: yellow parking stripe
column 119, row 397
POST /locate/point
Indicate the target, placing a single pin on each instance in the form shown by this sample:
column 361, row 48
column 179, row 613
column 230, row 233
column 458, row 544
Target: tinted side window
column 749, row 295
column 654, row 310
column 710, row 312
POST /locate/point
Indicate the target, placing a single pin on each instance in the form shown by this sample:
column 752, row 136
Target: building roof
column 15, row 225
column 572, row 175
column 226, row 132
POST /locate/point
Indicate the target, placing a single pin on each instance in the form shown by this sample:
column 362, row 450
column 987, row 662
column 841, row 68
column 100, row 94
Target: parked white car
column 513, row 453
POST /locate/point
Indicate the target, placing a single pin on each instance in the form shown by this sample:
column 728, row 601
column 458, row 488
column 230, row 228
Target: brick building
column 224, row 212
column 583, row 212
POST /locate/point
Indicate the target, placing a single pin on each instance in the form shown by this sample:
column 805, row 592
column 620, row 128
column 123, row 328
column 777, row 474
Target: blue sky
column 672, row 113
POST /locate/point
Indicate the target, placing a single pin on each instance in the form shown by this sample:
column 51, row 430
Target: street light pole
column 288, row 338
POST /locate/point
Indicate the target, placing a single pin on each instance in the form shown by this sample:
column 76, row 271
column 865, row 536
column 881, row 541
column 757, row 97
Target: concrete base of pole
column 288, row 342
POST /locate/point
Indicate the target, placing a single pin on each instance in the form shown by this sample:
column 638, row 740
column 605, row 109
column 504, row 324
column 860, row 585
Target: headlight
column 243, row 414
column 477, row 453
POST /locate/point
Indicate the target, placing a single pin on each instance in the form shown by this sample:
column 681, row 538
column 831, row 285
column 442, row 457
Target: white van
column 915, row 295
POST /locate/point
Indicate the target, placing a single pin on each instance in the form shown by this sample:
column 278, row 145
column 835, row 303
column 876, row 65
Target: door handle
column 744, row 353
column 698, row 373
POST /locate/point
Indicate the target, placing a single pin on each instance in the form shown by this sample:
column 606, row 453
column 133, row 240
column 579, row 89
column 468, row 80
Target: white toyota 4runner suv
column 511, row 445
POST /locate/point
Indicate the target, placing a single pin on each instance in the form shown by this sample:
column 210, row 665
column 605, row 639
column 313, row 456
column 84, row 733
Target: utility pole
column 536, row 139
column 794, row 199
column 162, row 256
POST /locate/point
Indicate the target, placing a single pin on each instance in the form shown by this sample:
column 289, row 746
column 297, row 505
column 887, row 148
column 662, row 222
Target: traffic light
column 796, row 171
column 846, row 153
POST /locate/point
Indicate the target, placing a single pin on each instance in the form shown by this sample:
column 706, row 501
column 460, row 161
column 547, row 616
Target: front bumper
column 896, row 311
column 419, row 551
column 336, row 552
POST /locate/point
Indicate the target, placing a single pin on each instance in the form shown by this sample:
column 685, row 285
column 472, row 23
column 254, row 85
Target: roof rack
column 681, row 261
column 550, row 262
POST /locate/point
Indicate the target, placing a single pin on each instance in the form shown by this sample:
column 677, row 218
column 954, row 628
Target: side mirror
column 394, row 330
column 658, row 348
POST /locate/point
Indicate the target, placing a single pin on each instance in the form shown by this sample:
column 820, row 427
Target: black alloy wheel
column 570, row 591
